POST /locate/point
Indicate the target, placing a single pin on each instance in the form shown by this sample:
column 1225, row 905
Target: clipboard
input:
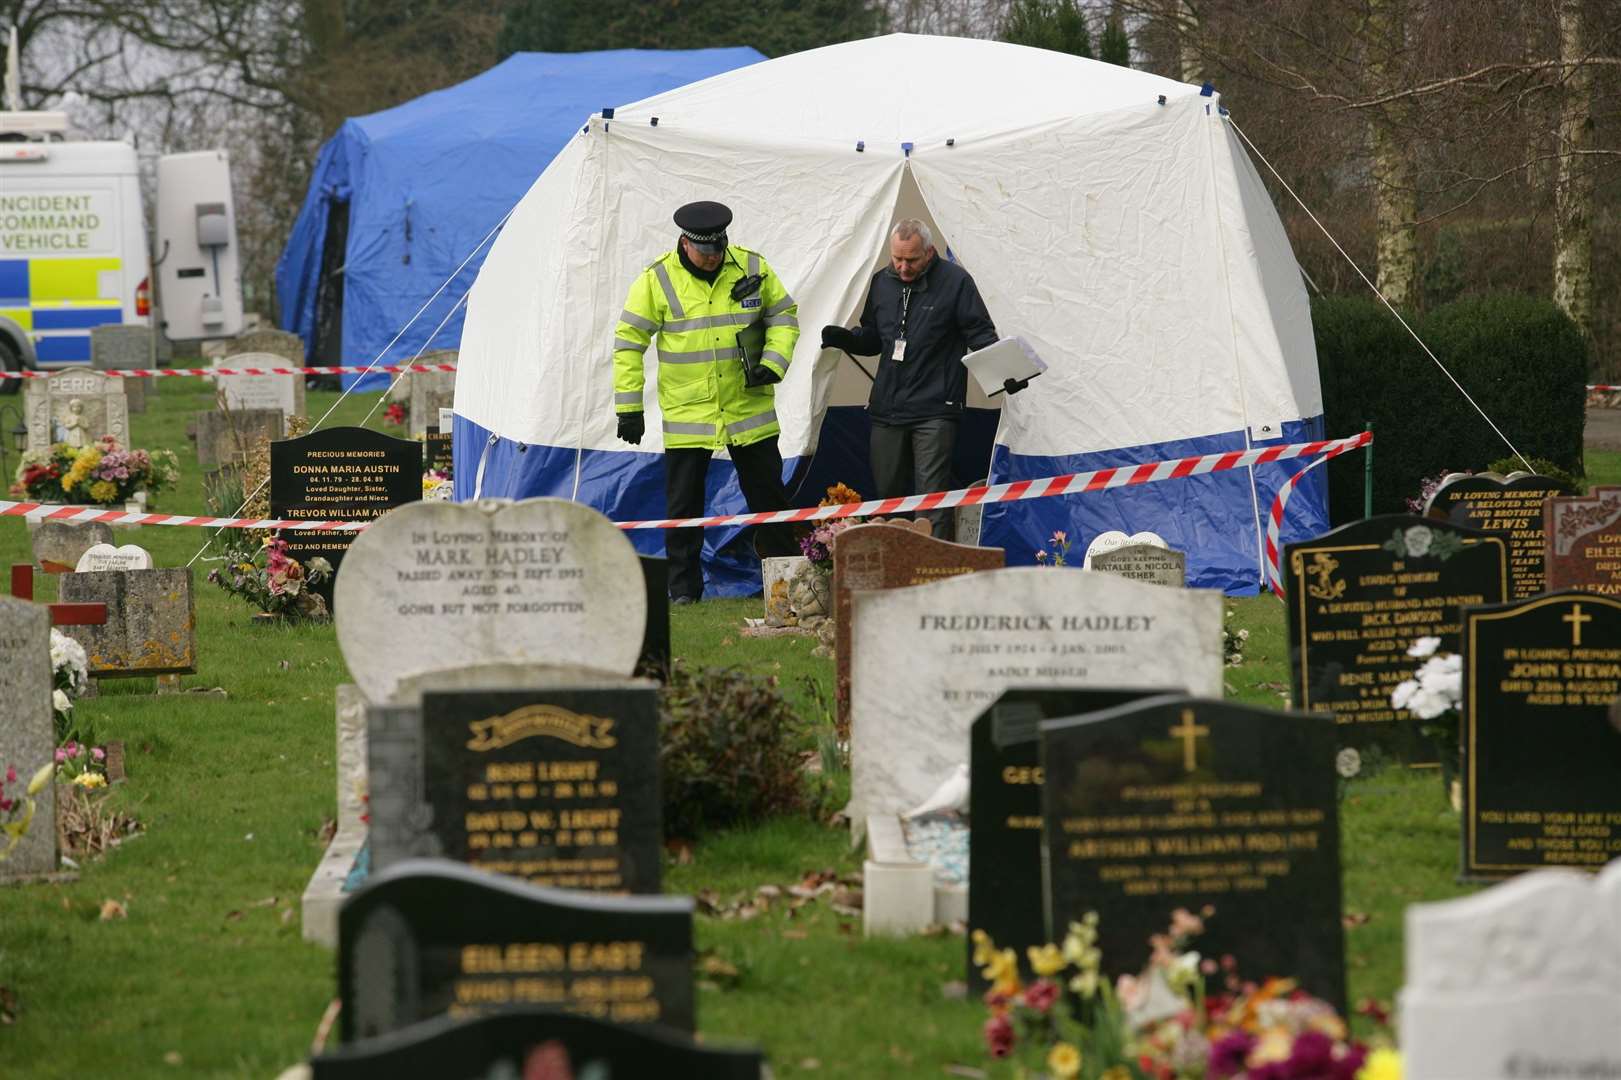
column 1010, row 358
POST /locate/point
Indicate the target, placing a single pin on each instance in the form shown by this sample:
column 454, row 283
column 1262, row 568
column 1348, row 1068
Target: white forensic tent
column 1109, row 217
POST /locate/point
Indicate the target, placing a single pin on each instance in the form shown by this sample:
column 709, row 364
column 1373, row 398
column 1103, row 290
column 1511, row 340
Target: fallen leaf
column 173, row 1058
column 1354, row 919
column 285, row 666
column 112, row 909
column 768, row 892
column 233, row 916
column 956, row 990
column 269, row 901
column 286, row 916
column 810, row 1063
column 8, row 1005
column 794, row 935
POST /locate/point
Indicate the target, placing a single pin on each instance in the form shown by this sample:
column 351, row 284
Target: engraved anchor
column 1323, row 566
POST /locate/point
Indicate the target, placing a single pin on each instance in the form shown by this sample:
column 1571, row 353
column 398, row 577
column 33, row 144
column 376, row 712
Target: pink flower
column 1041, row 555
column 61, row 755
column 1131, row 991
column 999, row 1036
column 73, row 748
column 11, row 774
column 1060, row 537
column 97, row 753
column 1041, row 994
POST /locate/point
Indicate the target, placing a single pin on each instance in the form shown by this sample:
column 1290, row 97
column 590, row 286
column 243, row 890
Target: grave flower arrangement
column 17, row 805
column 272, row 580
column 817, row 545
column 1163, row 1024
column 436, row 484
column 1434, row 697
column 70, row 674
column 102, row 474
column 1059, row 542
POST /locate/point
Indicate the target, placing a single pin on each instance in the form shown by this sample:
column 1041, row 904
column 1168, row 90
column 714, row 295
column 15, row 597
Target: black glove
column 1013, row 386
column 631, row 427
column 838, row 337
column 758, row 374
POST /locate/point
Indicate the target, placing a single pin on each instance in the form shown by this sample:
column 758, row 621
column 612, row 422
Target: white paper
column 1010, row 358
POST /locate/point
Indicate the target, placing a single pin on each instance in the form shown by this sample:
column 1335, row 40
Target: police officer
column 726, row 330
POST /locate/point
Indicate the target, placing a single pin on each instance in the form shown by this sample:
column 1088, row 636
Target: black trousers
column 759, row 474
column 915, row 459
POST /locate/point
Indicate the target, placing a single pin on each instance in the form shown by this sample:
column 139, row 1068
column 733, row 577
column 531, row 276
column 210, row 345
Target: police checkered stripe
column 1274, row 518
column 1071, row 484
column 187, row 373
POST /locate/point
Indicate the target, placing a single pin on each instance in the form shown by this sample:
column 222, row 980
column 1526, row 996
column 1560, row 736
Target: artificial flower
column 60, row 701
column 89, row 779
column 1046, row 959
column 983, row 949
column 1382, row 1064
column 1424, row 647
column 1064, row 1061
column 1041, row 994
column 999, row 1036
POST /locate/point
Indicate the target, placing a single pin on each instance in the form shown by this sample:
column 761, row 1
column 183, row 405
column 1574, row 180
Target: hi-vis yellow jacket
column 701, row 390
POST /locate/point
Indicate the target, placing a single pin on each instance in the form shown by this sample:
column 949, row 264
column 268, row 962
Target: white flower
column 1424, row 646
column 1348, row 762
column 68, row 655
column 1427, row 704
column 1418, row 540
column 1403, row 693
column 60, row 702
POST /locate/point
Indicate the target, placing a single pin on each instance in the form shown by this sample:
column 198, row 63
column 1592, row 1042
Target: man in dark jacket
column 923, row 313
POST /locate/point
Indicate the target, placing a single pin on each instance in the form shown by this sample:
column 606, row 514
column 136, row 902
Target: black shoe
column 679, row 601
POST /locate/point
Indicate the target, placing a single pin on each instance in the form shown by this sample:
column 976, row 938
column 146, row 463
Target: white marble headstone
column 435, row 586
column 78, row 405
column 1114, row 540
column 282, row 392
column 101, row 557
column 1522, row 980
column 926, row 660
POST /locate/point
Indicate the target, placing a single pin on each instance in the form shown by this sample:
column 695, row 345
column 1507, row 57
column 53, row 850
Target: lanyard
column 906, row 300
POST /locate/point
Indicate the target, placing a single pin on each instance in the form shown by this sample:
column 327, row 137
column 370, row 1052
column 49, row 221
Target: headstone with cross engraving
column 1541, row 759
column 1180, row 802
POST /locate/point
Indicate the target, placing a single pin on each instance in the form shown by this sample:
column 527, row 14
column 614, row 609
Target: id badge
column 899, row 355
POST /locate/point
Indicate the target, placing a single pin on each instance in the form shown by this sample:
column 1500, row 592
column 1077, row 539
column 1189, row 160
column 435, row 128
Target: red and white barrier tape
column 1274, row 518
column 1069, row 484
column 192, row 372
column 1604, row 387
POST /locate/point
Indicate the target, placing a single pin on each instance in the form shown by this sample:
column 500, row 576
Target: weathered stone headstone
column 431, row 391
column 76, row 406
column 1180, row 802
column 62, row 543
column 430, row 936
column 1511, row 509
column 1358, row 597
column 535, row 1042
column 437, row 586
column 339, row 474
column 969, row 519
column 151, row 626
column 285, row 346
column 120, row 347
column 318, row 907
column 106, row 557
column 1584, row 542
column 1004, row 814
column 284, row 393
column 227, row 438
column 27, row 730
column 1521, row 980
column 1145, row 562
column 557, row 786
column 1542, row 763
column 928, row 659
column 889, row 557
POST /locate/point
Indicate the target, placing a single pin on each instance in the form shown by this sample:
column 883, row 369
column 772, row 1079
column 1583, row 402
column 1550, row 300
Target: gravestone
column 102, row 557
column 1542, row 762
column 27, row 729
column 1584, row 542
column 1114, row 540
column 82, row 405
column 1004, row 814
column 339, row 474
column 930, row 658
column 151, row 626
column 655, row 659
column 431, row 391
column 284, row 346
column 284, row 393
column 1511, row 509
column 430, row 936
column 1145, row 562
column 225, row 439
column 556, row 786
column 969, row 519
column 62, row 543
column 120, row 347
column 436, row 450
column 318, row 907
column 1179, row 802
column 1358, row 597
column 889, row 557
column 437, row 586
column 539, row 1043
column 1521, row 980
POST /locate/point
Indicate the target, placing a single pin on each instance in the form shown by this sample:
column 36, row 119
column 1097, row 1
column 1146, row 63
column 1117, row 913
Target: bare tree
column 1574, row 180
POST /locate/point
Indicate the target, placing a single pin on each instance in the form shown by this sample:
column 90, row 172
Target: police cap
column 704, row 223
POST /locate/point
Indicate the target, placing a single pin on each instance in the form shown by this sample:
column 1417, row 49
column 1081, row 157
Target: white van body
column 73, row 251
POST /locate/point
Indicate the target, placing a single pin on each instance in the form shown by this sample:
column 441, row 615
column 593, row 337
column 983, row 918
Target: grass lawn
column 207, row 974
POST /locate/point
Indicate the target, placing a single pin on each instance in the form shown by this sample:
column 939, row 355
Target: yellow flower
column 1085, row 984
column 104, row 491
column 90, row 780
column 1064, row 1061
column 1046, row 959
column 1275, row 1045
column 1116, row 1072
column 1382, row 1064
column 41, row 778
column 87, row 459
column 984, row 948
column 1003, row 971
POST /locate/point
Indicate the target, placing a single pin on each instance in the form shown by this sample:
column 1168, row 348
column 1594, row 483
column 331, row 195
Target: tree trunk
column 1395, row 198
column 1573, row 178
column 1190, row 67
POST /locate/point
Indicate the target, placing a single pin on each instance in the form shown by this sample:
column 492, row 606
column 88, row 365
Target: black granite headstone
column 529, row 1042
column 1359, row 596
column 1004, row 813
column 1511, row 509
column 339, row 474
column 655, row 659
column 557, row 786
column 436, row 453
column 428, row 937
column 1542, row 760
column 1180, row 802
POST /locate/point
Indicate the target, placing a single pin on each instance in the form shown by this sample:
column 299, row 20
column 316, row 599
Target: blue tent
column 399, row 198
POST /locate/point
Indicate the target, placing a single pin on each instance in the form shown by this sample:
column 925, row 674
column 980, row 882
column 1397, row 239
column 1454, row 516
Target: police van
column 73, row 251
